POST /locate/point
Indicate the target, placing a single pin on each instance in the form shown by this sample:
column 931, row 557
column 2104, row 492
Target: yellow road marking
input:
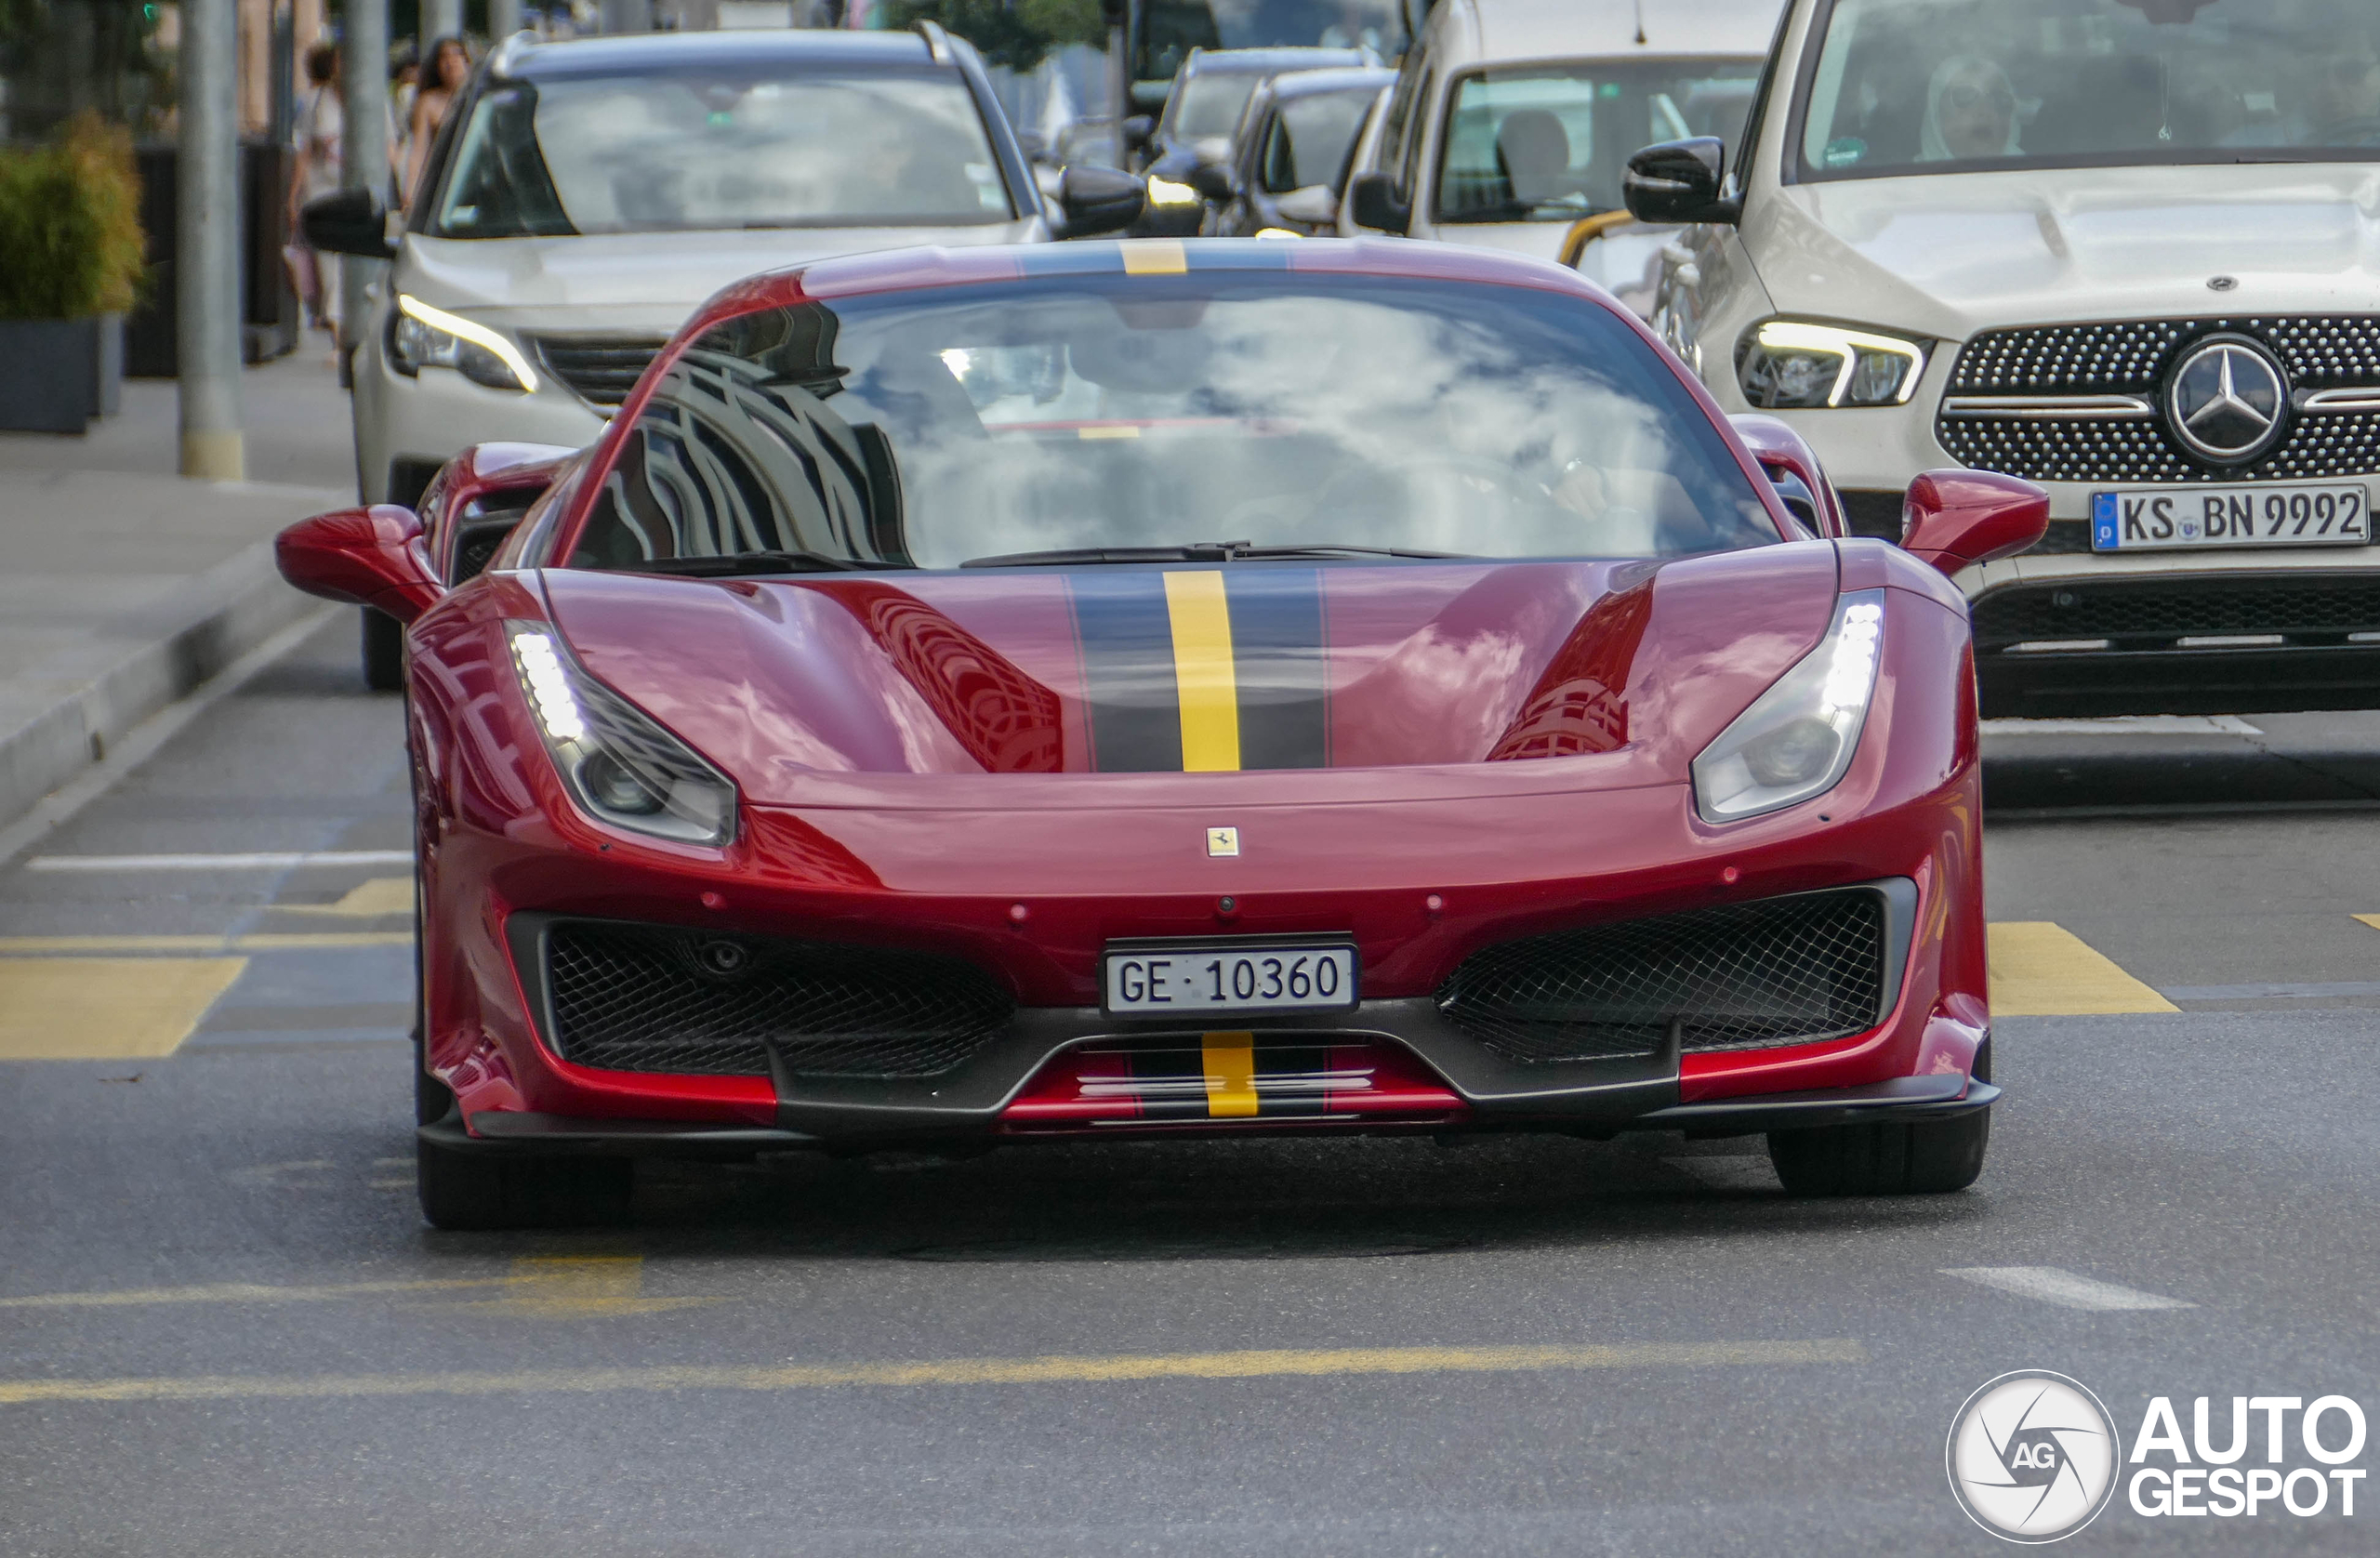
column 1293, row 1363
column 2042, row 970
column 381, row 896
column 1203, row 675
column 259, row 940
column 2371, row 919
column 1231, row 1074
column 1155, row 257
column 577, row 1287
column 95, row 1008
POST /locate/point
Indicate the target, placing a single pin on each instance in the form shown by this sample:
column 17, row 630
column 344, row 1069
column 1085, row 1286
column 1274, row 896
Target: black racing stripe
column 1127, row 639
column 1280, row 661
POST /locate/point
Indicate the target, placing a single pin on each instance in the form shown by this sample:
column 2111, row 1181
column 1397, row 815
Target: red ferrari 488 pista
column 1101, row 688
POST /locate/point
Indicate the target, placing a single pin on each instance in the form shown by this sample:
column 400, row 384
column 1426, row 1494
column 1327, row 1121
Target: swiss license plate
column 1194, row 979
column 2144, row 519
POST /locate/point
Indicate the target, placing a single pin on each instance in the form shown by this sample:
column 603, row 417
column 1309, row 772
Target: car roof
column 1337, row 78
column 1266, row 61
column 1505, row 30
column 628, row 53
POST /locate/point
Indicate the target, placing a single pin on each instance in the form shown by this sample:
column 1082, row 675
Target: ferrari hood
column 1951, row 254
column 1189, row 671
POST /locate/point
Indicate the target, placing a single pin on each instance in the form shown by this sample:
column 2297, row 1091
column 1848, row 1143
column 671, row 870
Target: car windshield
column 1937, row 85
column 675, row 150
column 1170, row 29
column 1310, row 137
column 1549, row 143
column 1236, row 413
column 1210, row 102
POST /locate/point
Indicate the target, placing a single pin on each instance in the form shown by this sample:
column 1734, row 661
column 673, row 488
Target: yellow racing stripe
column 1202, row 672
column 1155, row 257
column 1231, row 1075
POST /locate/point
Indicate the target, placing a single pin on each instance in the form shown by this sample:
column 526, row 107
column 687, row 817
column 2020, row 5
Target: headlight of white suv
column 619, row 765
column 421, row 337
column 1797, row 738
column 1785, row 364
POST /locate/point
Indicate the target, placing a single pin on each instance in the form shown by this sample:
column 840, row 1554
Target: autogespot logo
column 2033, row 1456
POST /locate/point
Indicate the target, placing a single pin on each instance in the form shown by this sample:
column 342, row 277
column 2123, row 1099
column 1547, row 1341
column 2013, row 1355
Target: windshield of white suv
column 1135, row 418
column 1549, row 143
column 1938, row 86
column 688, row 150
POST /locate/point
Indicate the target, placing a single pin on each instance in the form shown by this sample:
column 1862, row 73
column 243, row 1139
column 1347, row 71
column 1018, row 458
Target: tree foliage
column 70, row 243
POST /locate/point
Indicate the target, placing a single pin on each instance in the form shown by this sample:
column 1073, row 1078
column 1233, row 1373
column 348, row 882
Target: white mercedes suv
column 2123, row 248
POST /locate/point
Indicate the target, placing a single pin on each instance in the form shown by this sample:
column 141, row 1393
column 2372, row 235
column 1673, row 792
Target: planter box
column 57, row 374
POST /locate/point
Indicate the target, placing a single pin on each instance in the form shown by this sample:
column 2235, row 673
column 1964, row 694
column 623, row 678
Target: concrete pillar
column 503, row 18
column 440, row 19
column 364, row 53
column 627, row 16
column 207, row 243
column 256, row 66
column 308, row 25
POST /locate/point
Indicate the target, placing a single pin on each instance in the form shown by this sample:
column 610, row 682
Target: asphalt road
column 224, row 1330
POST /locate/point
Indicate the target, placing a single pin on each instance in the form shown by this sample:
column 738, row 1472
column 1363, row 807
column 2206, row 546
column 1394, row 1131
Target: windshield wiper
column 1194, row 551
column 754, row 562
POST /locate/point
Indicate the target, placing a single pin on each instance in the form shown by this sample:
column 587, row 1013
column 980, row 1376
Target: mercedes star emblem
column 2226, row 399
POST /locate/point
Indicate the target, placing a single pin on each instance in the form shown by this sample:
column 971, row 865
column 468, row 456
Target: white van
column 1511, row 122
column 2125, row 250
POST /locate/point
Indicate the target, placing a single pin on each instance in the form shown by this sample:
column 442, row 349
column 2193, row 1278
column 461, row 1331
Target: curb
column 96, row 692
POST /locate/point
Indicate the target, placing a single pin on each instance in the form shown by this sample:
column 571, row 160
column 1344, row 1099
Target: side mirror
column 1212, row 180
column 349, row 222
column 1955, row 519
column 1372, row 200
column 1137, row 131
column 1793, row 467
column 1315, row 205
column 1677, row 182
column 366, row 557
column 1098, row 200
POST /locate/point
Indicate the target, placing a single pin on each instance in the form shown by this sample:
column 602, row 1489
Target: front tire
column 1929, row 1158
column 384, row 651
column 474, row 1192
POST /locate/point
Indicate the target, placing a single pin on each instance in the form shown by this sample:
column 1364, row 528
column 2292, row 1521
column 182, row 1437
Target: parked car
column 2124, row 251
column 583, row 197
column 1160, row 34
column 1289, row 166
column 819, row 763
column 1210, row 98
column 1512, row 122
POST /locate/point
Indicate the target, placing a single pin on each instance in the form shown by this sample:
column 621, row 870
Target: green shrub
column 1015, row 34
column 70, row 243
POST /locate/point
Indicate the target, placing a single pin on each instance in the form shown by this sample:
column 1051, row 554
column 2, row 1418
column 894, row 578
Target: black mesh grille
column 1788, row 970
column 2152, row 613
column 633, row 998
column 2132, row 357
column 602, row 369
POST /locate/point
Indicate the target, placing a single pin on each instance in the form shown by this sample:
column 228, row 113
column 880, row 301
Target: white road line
column 267, row 861
column 2063, row 1288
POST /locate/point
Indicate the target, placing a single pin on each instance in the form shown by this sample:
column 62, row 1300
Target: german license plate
column 1196, row 979
column 2156, row 517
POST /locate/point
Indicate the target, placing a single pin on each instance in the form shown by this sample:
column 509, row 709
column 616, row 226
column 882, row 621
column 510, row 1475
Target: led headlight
column 1797, row 738
column 1787, row 366
column 421, row 337
column 619, row 766
column 1165, row 191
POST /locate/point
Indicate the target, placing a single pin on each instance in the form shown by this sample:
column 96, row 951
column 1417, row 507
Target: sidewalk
column 123, row 587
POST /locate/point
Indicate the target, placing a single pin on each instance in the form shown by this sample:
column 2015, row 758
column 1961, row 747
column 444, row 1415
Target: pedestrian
column 319, row 170
column 443, row 71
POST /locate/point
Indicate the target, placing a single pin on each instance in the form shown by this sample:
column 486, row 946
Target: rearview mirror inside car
column 1955, row 519
column 1098, row 200
column 1373, row 203
column 1678, row 182
column 366, row 557
column 349, row 222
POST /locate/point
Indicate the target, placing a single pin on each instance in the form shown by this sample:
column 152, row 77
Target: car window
column 1209, row 103
column 1309, row 139
column 681, row 149
column 1550, row 143
column 1933, row 85
column 929, row 428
